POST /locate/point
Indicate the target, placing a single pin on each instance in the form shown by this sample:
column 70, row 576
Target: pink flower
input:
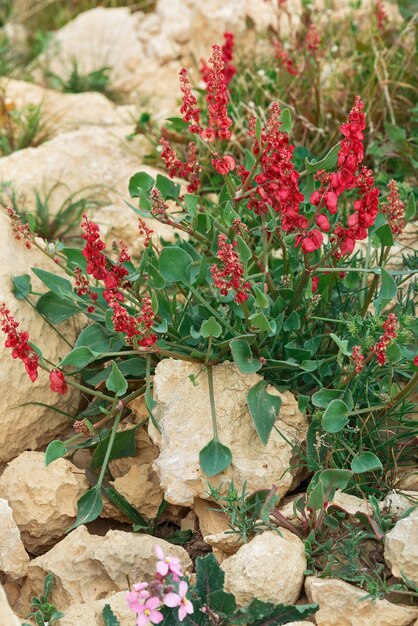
column 137, row 596
column 415, row 361
column 179, row 599
column 167, row 564
column 148, row 612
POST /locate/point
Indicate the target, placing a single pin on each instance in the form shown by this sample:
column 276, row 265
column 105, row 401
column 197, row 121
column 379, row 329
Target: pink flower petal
column 159, row 552
column 162, row 568
column 153, row 603
column 142, row 620
column 156, row 617
column 172, row 599
column 183, row 587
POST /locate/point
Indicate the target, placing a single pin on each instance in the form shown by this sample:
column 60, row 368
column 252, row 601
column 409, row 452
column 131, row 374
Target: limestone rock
column 89, row 567
column 14, row 559
column 26, row 427
column 43, row 499
column 90, row 613
column 401, row 547
column 7, row 617
column 248, row 574
column 61, row 112
column 399, row 502
column 183, row 412
column 341, row 604
column 211, row 519
column 227, row 542
column 351, row 504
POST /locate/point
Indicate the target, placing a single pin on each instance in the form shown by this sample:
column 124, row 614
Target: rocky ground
column 87, row 149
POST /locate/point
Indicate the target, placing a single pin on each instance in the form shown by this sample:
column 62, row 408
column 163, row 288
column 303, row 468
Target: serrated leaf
column 214, row 458
column 89, row 507
column 264, row 409
column 109, row 617
column 55, row 450
column 365, row 462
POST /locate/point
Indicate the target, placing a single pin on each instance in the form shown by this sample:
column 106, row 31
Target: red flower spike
column 229, row 69
column 394, row 209
column 57, row 382
column 135, row 326
column 217, row 98
column 18, row 342
column 189, row 109
column 175, row 167
column 224, row 165
column 231, row 275
column 389, row 333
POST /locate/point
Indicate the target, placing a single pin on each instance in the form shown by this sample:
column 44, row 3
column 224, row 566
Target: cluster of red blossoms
column 21, row 230
column 381, row 15
column 57, row 382
column 114, row 278
column 188, row 170
column 18, row 341
column 349, row 175
column 394, row 209
column 227, row 53
column 380, row 347
column 231, row 275
column 285, row 59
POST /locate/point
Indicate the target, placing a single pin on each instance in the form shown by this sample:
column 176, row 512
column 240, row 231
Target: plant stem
column 109, row 448
column 215, row 313
column 212, row 403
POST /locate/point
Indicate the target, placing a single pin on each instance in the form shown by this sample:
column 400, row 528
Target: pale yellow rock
column 90, row 567
column 90, row 613
column 399, row 502
column 341, row 604
column 43, row 499
column 248, row 573
column 211, row 519
column 61, row 112
column 31, row 426
column 351, row 504
column 7, row 617
column 183, row 412
column 227, row 542
column 14, row 559
column 401, row 547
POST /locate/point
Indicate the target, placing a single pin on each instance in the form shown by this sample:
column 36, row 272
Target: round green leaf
column 365, row 462
column 21, row 286
column 335, row 416
column 175, row 264
column 243, row 357
column 55, row 450
column 214, row 458
column 116, row 381
column 210, row 328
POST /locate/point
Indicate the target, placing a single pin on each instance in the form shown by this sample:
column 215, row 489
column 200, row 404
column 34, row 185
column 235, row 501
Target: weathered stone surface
column 23, row 427
column 399, row 502
column 89, row 567
column 183, row 412
column 211, row 519
column 61, row 112
column 14, row 559
column 227, row 542
column 401, row 547
column 340, row 604
column 43, row 499
column 248, row 574
column 351, row 504
column 90, row 613
column 7, row 617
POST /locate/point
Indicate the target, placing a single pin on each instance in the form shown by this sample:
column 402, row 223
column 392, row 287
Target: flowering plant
column 267, row 270
column 170, row 598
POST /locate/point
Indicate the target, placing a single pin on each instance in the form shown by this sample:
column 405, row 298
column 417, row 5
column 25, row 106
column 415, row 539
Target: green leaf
column 328, row 162
column 410, row 208
column 222, row 602
column 260, row 321
column 39, row 619
column 55, row 450
column 168, row 189
column 175, row 264
column 116, row 381
column 135, row 367
column 55, row 309
column 118, row 500
column 384, row 234
column 264, row 409
column 322, row 398
column 58, row 285
column 48, row 584
column 140, row 181
column 245, row 253
column 243, row 357
column 261, row 299
column 210, row 328
column 209, row 576
column 387, row 291
column 396, row 134
column 180, row 537
column 89, row 507
column 259, row 613
column 192, row 203
column 342, row 344
column 365, row 462
column 109, row 617
column 258, row 129
column 286, row 121
column 98, row 339
column 79, row 358
column 214, row 458
column 124, row 446
column 394, row 353
column 292, row 322
column 335, row 416
column 333, row 479
column 316, row 497
column 21, row 286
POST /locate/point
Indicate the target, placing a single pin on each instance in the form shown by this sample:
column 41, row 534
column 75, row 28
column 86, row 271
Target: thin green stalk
column 212, row 403
column 109, row 448
column 212, row 310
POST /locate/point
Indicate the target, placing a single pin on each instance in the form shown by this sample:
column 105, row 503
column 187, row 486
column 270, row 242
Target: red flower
column 415, row 361
column 19, row 343
column 229, row 69
column 138, row 326
column 189, row 109
column 358, row 358
column 323, row 223
column 217, row 98
column 394, row 209
column 231, row 275
column 389, row 328
column 311, row 241
column 21, row 230
column 57, row 382
column 175, row 167
column 224, row 164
